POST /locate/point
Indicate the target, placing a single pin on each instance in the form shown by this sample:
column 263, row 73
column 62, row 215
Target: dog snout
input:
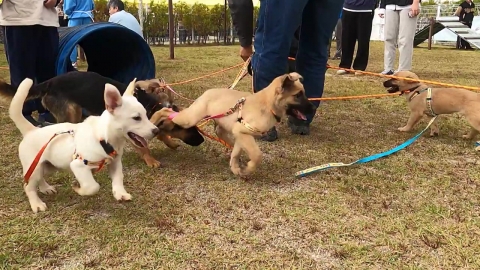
column 388, row 83
column 155, row 131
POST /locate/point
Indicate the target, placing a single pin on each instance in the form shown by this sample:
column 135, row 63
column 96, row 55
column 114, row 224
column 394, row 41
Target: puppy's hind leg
column 31, row 190
column 475, row 123
column 43, row 186
column 414, row 118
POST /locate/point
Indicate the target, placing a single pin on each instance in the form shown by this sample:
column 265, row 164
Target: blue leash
column 365, row 159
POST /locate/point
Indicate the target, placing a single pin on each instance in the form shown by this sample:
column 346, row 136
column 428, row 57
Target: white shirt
column 27, row 12
column 126, row 19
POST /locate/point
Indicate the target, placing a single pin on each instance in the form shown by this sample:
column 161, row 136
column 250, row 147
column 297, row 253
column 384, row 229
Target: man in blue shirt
column 117, row 12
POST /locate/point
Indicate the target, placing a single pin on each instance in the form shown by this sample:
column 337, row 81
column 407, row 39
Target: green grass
column 417, row 209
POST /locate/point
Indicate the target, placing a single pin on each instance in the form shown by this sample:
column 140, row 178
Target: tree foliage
column 199, row 20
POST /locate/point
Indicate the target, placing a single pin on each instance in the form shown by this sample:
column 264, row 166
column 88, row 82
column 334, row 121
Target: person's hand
column 49, row 3
column 415, row 8
column 246, row 52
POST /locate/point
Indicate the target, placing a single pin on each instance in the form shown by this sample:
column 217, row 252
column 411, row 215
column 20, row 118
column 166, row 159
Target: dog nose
column 155, row 131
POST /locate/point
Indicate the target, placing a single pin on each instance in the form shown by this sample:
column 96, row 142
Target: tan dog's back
column 450, row 100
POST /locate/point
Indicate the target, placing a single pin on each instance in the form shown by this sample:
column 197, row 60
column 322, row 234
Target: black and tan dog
column 423, row 100
column 241, row 116
column 65, row 96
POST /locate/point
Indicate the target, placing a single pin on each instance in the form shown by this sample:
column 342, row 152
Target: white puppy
column 80, row 148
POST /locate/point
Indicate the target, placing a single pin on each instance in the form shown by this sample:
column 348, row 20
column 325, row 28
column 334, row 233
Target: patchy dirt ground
column 417, row 209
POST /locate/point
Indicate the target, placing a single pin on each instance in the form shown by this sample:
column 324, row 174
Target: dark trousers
column 356, row 27
column 31, row 53
column 461, row 43
column 277, row 22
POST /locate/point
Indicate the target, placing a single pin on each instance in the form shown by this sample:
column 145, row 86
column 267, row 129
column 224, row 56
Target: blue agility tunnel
column 111, row 50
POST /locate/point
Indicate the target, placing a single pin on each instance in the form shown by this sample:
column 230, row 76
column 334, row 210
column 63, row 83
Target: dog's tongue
column 299, row 115
column 141, row 140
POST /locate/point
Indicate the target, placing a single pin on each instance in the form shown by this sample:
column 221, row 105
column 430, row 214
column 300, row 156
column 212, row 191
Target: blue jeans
column 277, row 22
column 76, row 22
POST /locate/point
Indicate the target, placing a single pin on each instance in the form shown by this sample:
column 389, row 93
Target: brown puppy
column 165, row 100
column 443, row 101
column 249, row 115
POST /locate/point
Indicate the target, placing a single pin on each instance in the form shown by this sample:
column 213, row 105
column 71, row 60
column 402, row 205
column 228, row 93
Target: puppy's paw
column 467, row 136
column 87, row 190
column 434, row 134
column 151, row 162
column 38, row 205
column 403, row 129
column 236, row 170
column 47, row 189
column 121, row 194
column 172, row 145
column 477, row 148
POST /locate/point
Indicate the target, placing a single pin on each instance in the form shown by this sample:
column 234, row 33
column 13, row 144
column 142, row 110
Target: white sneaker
column 341, row 72
column 74, row 65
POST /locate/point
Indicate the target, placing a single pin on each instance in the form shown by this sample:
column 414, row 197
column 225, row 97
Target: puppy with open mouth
column 163, row 99
column 80, row 148
column 423, row 100
column 240, row 116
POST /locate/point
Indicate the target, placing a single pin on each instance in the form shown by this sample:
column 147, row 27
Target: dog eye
column 161, row 122
column 299, row 95
column 137, row 118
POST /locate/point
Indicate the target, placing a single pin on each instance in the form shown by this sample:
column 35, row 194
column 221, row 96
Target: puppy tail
column 7, row 92
column 16, row 106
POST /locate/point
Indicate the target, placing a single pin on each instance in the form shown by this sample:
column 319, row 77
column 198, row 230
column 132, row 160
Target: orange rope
column 357, row 97
column 403, row 78
column 215, row 138
column 205, row 76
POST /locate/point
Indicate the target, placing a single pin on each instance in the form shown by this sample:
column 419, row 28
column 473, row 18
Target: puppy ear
column 112, row 97
column 153, row 87
column 288, row 80
column 130, row 88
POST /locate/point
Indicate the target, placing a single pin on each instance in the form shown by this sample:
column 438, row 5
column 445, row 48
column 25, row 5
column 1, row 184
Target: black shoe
column 46, row 118
column 298, row 126
column 270, row 136
column 33, row 121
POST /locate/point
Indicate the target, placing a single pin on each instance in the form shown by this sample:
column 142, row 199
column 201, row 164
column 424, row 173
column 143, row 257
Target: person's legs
column 45, row 68
column 466, row 44
column 406, row 35
column 338, row 34
column 349, row 37
column 319, row 19
column 277, row 22
column 364, row 31
column 392, row 21
column 20, row 47
column 74, row 54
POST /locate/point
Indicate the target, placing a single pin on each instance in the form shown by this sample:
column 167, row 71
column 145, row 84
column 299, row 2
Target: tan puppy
column 249, row 115
column 443, row 101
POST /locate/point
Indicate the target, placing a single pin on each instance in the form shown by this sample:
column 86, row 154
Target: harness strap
column 429, row 102
column 36, row 160
column 108, row 148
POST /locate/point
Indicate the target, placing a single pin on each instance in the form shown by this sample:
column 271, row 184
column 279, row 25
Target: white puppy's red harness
column 106, row 146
